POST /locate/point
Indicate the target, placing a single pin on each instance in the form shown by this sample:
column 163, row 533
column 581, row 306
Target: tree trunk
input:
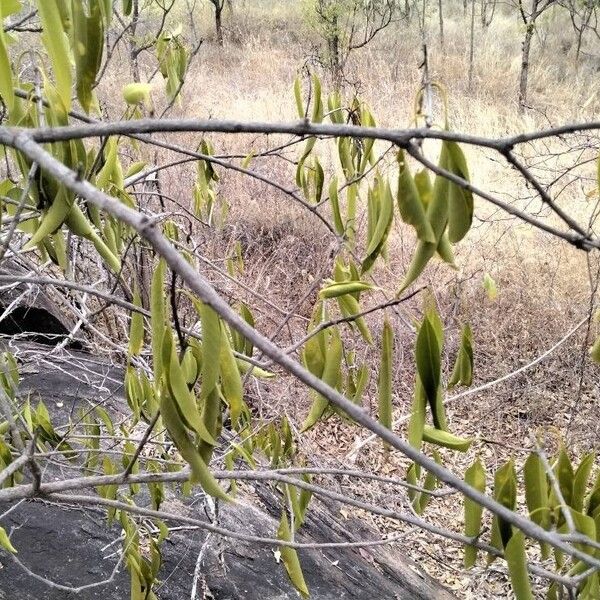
column 133, row 50
column 335, row 59
column 472, row 45
column 525, row 51
column 441, row 17
column 218, row 22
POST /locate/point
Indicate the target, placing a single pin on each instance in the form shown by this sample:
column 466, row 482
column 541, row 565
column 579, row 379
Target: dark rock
column 74, row 546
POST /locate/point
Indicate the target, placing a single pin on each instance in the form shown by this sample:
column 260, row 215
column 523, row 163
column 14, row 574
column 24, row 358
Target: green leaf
column 127, row 6
column 595, row 351
column 462, row 374
column 298, row 97
column 412, row 208
column 446, row 439
column 350, row 307
column 516, row 559
column 427, row 354
column 536, row 494
column 383, row 195
column 157, row 316
column 56, row 44
column 580, row 481
column 289, row 556
column 136, row 330
column 331, row 376
column 384, row 385
column 460, row 213
column 335, row 206
column 200, row 472
column 211, row 348
column 475, row 477
column 184, row 399
column 416, row 425
column 6, row 76
column 489, row 285
column 231, row 382
column 505, row 492
column 5, row 541
column 348, row 287
column 565, row 475
column 88, row 45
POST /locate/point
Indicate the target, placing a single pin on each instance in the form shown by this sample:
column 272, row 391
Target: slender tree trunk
column 218, row 22
column 441, row 17
column 525, row 52
column 472, row 45
column 335, row 59
column 133, row 50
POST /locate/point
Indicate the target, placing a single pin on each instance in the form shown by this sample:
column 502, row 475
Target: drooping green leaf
column 384, row 384
column 331, row 376
column 289, row 556
column 412, row 208
column 6, row 76
column 460, row 210
column 516, row 559
column 136, row 330
column 462, row 374
column 475, row 477
column 5, row 541
column 56, row 43
column 536, row 493
column 427, row 354
column 505, row 492
column 157, row 315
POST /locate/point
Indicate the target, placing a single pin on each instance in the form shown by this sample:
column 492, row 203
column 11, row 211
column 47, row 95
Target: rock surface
column 74, row 546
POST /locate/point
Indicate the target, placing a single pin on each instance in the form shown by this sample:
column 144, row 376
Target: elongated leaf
column 184, row 399
column 505, row 492
column 412, row 208
column 5, row 541
column 298, row 97
column 580, row 481
column 157, row 315
column 446, row 439
column 416, row 425
column 382, row 226
column 231, row 382
column 340, row 289
column 463, row 367
column 56, row 44
column 136, row 331
column 200, row 472
column 516, row 559
column 384, row 385
column 211, row 348
column 290, row 559
column 475, row 477
column 88, row 45
column 427, row 353
column 536, row 493
column 460, row 214
column 6, row 76
column 350, row 307
column 331, row 376
column 335, row 206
